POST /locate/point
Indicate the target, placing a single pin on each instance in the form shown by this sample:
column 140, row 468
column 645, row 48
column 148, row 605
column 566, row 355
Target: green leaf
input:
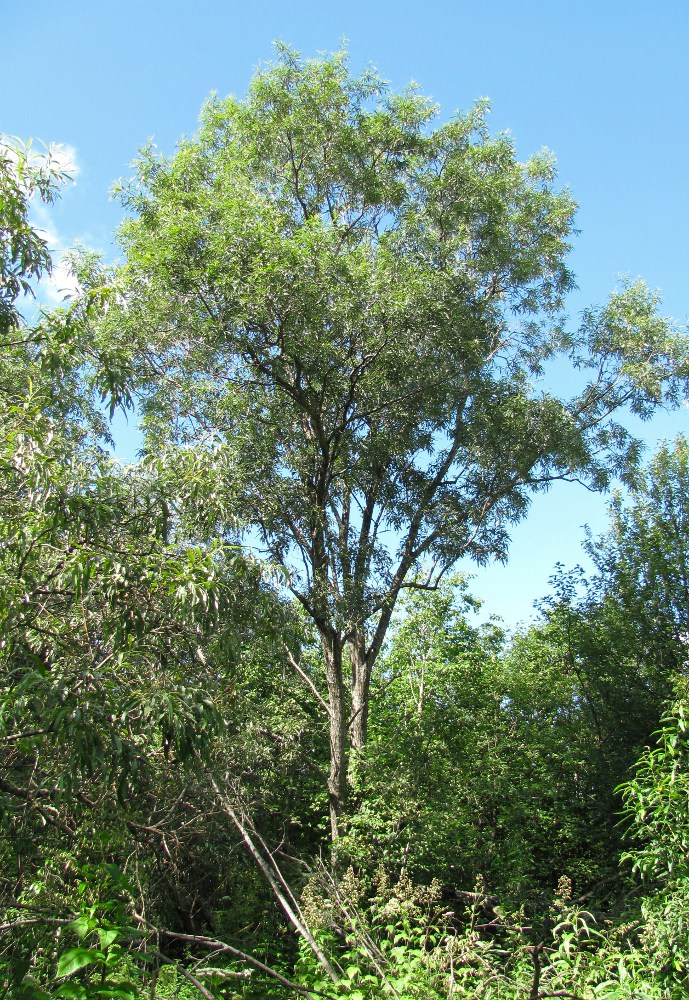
column 72, row 991
column 81, row 926
column 125, row 991
column 106, row 938
column 76, row 958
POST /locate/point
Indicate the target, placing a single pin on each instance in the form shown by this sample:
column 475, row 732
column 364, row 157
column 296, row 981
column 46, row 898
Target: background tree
column 498, row 757
column 643, row 560
column 423, row 782
column 585, row 687
column 356, row 306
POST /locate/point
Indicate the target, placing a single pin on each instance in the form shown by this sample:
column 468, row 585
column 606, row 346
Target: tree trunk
column 337, row 705
column 361, row 688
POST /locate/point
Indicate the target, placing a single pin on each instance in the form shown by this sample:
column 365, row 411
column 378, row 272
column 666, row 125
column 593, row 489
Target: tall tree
column 351, row 307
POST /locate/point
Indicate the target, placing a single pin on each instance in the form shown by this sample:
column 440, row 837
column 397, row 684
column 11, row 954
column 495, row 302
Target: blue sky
column 603, row 84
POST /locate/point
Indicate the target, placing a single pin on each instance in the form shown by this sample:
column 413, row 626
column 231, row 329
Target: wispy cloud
column 60, row 285
column 64, row 157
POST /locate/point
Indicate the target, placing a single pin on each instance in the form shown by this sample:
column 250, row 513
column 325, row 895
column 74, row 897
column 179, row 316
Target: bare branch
column 270, row 877
column 220, row 947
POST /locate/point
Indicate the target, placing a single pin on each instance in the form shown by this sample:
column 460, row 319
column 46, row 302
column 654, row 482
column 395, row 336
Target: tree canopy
column 353, row 306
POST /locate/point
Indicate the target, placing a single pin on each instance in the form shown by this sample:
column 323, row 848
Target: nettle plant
column 384, row 940
column 396, row 941
column 102, row 934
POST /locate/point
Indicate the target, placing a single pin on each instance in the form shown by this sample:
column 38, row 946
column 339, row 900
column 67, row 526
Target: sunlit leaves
column 354, row 302
column 656, row 807
column 24, row 253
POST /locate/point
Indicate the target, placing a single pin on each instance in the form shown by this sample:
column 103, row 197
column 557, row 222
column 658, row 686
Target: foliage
column 587, row 685
column 497, row 758
column 422, row 784
column 642, row 559
column 579, row 702
column 383, row 944
column 336, row 315
column 394, row 941
column 396, row 946
column 355, row 306
column 24, row 253
column 122, row 643
column 656, row 802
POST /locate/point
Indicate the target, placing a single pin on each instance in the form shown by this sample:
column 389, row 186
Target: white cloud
column 60, row 284
column 44, row 224
column 64, row 157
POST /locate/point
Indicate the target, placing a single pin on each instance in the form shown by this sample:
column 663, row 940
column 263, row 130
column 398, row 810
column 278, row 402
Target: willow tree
column 353, row 305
